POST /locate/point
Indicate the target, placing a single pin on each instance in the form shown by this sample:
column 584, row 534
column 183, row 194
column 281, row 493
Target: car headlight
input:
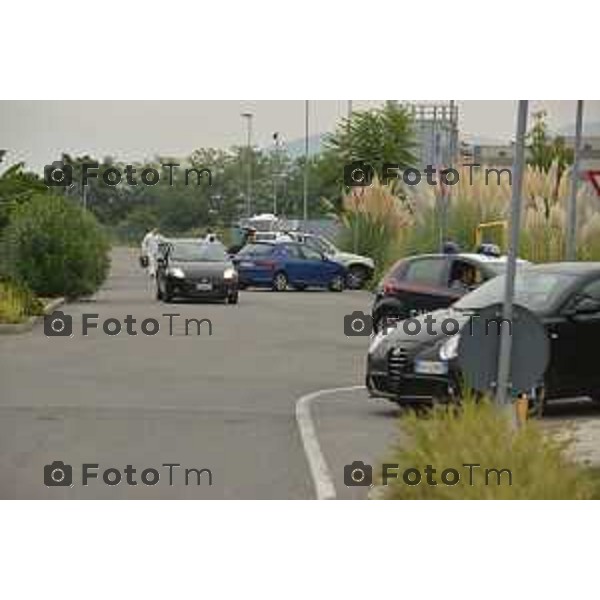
column 229, row 273
column 176, row 272
column 449, row 349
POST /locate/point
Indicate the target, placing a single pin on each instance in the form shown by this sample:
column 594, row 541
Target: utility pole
column 305, row 198
column 248, row 116
column 571, row 245
column 504, row 356
column 276, row 168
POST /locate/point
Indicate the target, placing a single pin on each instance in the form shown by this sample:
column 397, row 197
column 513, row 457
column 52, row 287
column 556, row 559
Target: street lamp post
column 305, row 195
column 248, row 116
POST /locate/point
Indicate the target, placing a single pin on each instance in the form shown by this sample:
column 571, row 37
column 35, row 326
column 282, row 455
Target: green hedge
column 55, row 248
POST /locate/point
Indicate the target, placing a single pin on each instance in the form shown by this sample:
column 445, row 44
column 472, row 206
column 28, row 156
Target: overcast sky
column 38, row 131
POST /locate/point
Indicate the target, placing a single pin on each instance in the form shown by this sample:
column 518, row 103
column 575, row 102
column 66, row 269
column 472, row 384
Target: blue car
column 277, row 265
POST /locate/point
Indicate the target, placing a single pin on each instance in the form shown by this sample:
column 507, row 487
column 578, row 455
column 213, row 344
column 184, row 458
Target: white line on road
column 319, row 470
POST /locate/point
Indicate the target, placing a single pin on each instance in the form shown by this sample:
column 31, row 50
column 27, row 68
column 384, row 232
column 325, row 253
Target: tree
column 376, row 136
column 17, row 186
column 545, row 151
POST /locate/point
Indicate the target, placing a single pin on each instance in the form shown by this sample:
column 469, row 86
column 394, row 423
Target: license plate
column 204, row 287
column 247, row 264
column 431, row 367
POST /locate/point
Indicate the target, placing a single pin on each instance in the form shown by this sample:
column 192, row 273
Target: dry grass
column 480, row 434
column 409, row 221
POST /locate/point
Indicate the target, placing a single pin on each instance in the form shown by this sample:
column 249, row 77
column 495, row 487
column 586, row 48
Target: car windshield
column 536, row 291
column 200, row 252
column 256, row 250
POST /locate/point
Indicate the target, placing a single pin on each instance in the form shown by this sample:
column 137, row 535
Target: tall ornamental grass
column 391, row 221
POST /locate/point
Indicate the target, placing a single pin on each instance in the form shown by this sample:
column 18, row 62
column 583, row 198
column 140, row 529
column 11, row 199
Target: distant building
column 436, row 131
column 501, row 155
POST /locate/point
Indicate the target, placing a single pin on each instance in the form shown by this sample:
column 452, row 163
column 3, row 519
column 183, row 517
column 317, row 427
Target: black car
column 565, row 296
column 428, row 282
column 196, row 269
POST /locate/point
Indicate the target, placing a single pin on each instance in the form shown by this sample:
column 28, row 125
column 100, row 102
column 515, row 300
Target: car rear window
column 256, row 250
column 428, row 271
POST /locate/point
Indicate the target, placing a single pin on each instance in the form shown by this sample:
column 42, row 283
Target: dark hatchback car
column 283, row 264
column 196, row 269
column 565, row 296
column 428, row 282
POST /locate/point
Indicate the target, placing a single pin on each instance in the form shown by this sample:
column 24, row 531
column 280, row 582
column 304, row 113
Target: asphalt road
column 224, row 402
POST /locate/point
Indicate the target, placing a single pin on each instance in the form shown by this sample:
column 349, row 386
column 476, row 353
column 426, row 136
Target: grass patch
column 478, row 433
column 17, row 303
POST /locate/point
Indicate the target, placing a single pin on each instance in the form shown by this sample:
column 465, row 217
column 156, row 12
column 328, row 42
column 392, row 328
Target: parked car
column 565, row 296
column 360, row 268
column 277, row 265
column 196, row 269
column 427, row 282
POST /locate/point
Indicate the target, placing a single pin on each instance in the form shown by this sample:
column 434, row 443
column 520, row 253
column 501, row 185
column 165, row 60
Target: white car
column 360, row 268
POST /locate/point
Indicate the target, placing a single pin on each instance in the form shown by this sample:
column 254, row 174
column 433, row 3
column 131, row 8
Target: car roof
column 473, row 256
column 570, row 268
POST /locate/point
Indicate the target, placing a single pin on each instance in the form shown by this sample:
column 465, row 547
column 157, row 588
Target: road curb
column 15, row 328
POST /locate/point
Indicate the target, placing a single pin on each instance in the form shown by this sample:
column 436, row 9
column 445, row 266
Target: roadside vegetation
column 18, row 303
column 49, row 246
column 478, row 433
column 56, row 248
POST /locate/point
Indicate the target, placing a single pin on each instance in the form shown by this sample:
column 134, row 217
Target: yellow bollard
column 522, row 408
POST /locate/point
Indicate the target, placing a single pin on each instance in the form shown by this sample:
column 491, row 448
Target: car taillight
column 390, row 286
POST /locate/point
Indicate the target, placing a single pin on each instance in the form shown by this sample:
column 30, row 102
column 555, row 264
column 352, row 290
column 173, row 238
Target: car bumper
column 188, row 288
column 403, row 385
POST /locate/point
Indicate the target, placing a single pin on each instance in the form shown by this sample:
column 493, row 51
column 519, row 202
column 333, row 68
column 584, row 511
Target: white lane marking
column 319, row 470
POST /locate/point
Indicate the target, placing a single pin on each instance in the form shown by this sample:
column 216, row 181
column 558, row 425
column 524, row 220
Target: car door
column 292, row 262
column 574, row 338
column 423, row 284
column 318, row 270
column 579, row 338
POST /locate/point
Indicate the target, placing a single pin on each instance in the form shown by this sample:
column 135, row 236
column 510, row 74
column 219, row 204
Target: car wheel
column 337, row 284
column 232, row 298
column 358, row 275
column 280, row 282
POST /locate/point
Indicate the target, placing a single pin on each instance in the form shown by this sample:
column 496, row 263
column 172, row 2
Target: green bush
column 55, row 248
column 478, row 433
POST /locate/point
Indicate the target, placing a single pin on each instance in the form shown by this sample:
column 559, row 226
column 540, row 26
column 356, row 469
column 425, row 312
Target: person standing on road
column 152, row 243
